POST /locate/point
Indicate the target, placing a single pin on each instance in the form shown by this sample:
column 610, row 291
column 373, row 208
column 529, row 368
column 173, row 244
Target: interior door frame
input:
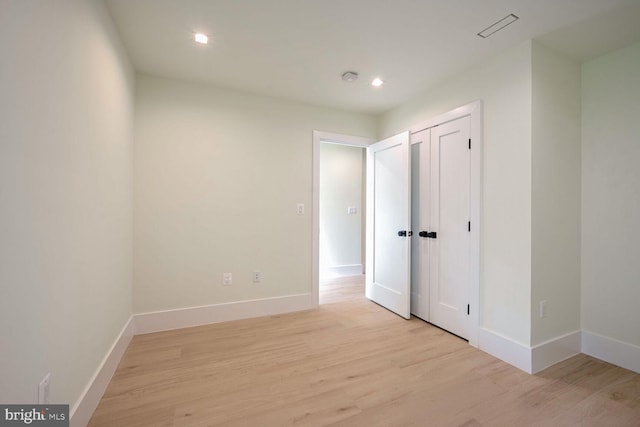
column 474, row 111
column 320, row 137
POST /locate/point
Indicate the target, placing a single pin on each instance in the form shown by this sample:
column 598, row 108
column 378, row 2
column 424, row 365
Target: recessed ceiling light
column 494, row 28
column 201, row 38
column 376, row 82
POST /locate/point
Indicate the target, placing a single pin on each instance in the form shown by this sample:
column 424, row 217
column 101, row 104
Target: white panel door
column 420, row 158
column 449, row 219
column 388, row 223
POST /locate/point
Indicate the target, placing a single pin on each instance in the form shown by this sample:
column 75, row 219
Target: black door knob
column 430, row 234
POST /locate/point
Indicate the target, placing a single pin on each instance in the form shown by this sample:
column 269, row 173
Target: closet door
column 389, row 223
column 449, row 226
column 449, row 217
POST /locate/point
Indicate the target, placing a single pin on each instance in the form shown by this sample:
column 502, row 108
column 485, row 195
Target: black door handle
column 430, row 234
column 405, row 233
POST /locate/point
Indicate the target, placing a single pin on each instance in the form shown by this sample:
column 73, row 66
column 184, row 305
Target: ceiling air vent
column 494, row 28
column 350, row 76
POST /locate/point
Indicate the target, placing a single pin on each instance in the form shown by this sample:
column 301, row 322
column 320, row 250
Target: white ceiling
column 298, row 49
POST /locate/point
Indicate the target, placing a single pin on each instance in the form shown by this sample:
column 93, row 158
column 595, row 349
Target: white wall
column 341, row 186
column 66, row 104
column 611, row 195
column 503, row 84
column 218, row 175
column 555, row 272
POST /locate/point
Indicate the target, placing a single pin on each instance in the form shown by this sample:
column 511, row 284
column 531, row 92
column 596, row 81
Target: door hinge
column 468, row 309
column 469, row 143
column 469, row 226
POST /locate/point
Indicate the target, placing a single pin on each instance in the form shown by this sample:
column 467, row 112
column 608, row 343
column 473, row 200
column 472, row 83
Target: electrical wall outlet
column 257, row 277
column 43, row 390
column 227, row 279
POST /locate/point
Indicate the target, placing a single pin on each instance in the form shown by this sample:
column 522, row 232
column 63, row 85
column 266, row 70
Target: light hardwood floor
column 351, row 363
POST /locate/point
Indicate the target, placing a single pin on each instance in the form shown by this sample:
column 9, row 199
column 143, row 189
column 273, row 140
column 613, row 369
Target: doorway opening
column 341, row 209
column 338, row 215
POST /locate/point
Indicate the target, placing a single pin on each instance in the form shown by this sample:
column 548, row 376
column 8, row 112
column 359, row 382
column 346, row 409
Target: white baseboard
column 342, row 271
column 505, row 349
column 195, row 316
column 611, row 350
column 81, row 412
column 555, row 350
column 535, row 359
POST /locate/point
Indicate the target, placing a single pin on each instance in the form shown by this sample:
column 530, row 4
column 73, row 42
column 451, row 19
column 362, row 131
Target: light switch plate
column 227, row 279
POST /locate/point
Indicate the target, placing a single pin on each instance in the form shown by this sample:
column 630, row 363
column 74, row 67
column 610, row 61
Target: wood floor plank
column 350, row 363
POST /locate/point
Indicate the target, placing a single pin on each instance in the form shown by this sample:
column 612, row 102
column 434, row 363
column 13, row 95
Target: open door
column 388, row 265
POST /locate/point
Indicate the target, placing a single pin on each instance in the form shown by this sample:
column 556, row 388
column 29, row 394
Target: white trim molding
column 342, row 270
column 505, row 349
column 611, row 350
column 158, row 321
column 541, row 356
column 555, row 350
column 530, row 359
column 82, row 411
